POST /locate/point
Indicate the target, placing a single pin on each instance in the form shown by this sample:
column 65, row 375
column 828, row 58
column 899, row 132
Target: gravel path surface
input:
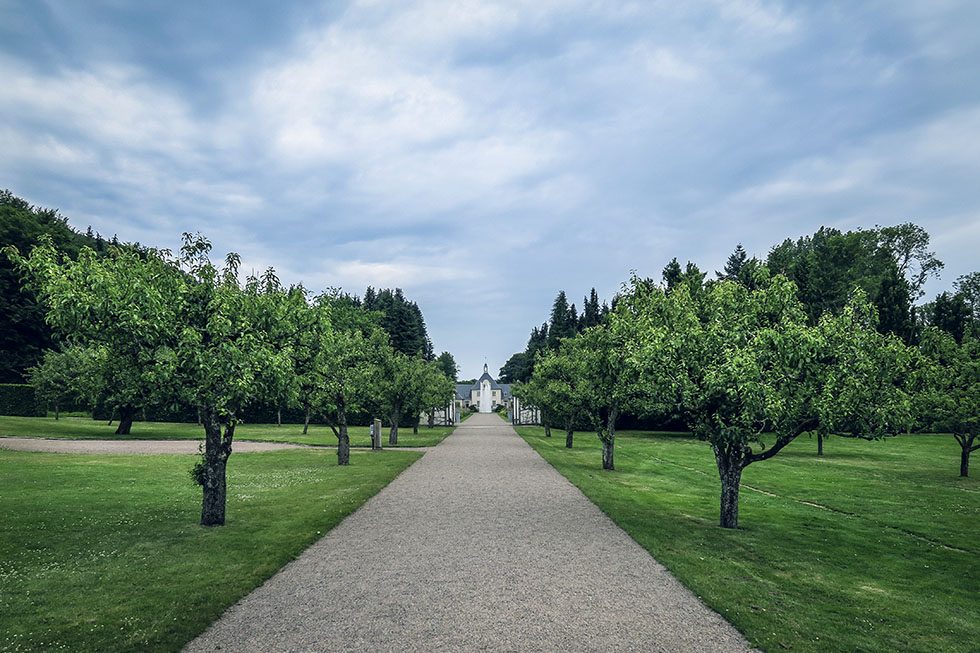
column 129, row 446
column 479, row 546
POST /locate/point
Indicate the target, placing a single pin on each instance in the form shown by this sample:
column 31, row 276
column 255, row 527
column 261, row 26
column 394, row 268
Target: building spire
column 485, row 371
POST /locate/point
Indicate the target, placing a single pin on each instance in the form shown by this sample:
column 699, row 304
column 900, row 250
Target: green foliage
column 516, row 369
column 447, row 364
column 890, row 264
column 121, row 306
column 952, row 398
column 751, row 374
column 556, row 387
column 20, row 399
column 402, row 320
column 563, row 323
column 23, row 332
column 74, row 377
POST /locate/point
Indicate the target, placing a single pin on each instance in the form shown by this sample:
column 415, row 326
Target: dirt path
column 481, row 545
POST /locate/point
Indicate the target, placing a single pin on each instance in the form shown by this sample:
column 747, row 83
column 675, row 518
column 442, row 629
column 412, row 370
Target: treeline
column 889, row 264
column 770, row 350
column 24, row 335
column 139, row 328
column 564, row 322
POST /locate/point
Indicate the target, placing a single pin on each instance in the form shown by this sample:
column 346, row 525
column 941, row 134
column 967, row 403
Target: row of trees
column 746, row 364
column 890, row 264
column 145, row 328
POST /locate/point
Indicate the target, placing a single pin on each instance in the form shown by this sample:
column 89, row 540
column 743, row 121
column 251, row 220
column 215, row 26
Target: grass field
column 103, row 553
column 84, row 428
column 874, row 547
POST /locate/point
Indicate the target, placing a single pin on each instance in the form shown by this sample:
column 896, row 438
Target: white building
column 486, row 393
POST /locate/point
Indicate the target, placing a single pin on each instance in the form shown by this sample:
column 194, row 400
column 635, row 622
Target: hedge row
column 19, row 399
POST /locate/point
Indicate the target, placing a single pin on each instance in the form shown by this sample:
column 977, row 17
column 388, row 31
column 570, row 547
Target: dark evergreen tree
column 517, row 368
column 591, row 312
column 448, row 365
column 672, row 274
column 894, row 308
column 560, row 325
column 402, row 320
column 950, row 312
column 733, row 268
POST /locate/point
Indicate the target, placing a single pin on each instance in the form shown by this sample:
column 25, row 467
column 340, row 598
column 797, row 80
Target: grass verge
column 104, row 552
column 874, row 547
column 83, row 428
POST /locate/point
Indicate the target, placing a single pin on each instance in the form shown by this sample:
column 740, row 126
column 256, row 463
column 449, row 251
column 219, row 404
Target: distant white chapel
column 486, row 393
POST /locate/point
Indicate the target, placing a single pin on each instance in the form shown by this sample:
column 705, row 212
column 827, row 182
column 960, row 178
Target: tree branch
column 806, row 425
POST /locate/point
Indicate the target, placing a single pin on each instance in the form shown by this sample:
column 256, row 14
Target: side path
column 481, row 545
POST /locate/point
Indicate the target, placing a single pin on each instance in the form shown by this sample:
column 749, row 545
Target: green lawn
column 874, row 547
column 84, row 428
column 104, row 553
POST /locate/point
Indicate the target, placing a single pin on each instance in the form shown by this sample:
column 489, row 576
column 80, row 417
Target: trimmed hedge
column 20, row 400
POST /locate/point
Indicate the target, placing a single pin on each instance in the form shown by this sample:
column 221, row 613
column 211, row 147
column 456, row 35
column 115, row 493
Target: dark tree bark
column 217, row 450
column 607, row 453
column 819, row 443
column 730, row 466
column 608, row 436
column 343, row 438
column 432, row 418
column 306, row 421
column 569, row 437
column 56, row 412
column 278, row 416
column 126, row 416
column 415, row 425
column 730, row 485
column 966, row 448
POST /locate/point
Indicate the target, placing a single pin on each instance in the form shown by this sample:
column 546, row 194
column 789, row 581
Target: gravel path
column 480, row 545
column 129, row 446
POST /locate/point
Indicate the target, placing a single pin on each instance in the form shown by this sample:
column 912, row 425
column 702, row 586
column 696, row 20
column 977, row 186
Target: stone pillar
column 376, row 435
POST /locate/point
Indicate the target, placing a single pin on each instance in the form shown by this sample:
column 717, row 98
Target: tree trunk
column 278, row 416
column 415, row 425
column 966, row 447
column 569, row 435
column 608, row 444
column 56, row 412
column 126, row 415
column 609, row 439
column 343, row 439
column 730, row 473
column 819, row 443
column 432, row 417
column 306, row 422
column 547, row 430
column 217, row 449
column 393, row 433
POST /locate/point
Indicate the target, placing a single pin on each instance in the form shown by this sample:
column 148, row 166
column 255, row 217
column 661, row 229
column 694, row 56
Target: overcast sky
column 484, row 155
